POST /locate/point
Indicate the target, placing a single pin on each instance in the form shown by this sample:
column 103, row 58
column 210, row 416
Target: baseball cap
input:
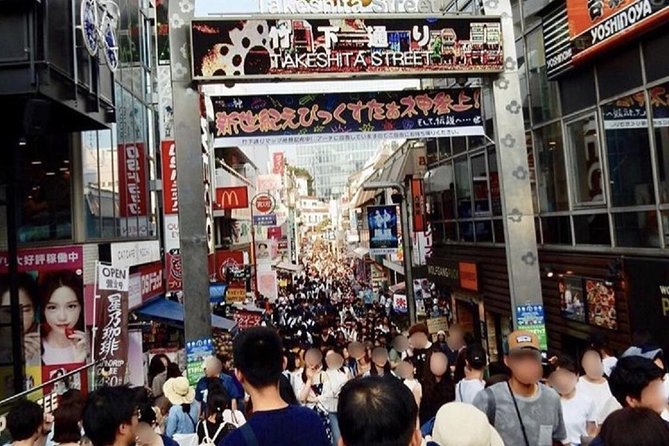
column 521, row 340
column 460, row 424
column 648, row 353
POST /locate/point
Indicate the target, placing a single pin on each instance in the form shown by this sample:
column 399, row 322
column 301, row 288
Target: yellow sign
column 437, row 324
column 234, row 295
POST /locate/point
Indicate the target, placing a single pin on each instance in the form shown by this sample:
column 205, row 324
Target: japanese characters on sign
column 298, row 48
column 418, row 203
column 311, row 117
column 196, row 353
column 383, row 237
column 133, row 180
column 169, row 165
column 264, row 220
column 128, row 254
column 531, row 317
column 578, row 30
column 278, row 163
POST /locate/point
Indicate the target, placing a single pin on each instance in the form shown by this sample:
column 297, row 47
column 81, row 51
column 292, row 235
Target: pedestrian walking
column 476, row 362
column 148, row 429
column 218, row 421
column 438, row 387
column 594, row 384
column 461, row 424
column 111, row 416
column 633, row 427
column 181, row 419
column 27, row 424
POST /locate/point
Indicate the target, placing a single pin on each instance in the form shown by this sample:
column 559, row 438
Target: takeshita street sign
column 300, row 48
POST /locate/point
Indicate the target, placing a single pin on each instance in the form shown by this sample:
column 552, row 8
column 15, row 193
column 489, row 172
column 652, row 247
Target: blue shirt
column 228, row 384
column 291, row 426
column 179, row 422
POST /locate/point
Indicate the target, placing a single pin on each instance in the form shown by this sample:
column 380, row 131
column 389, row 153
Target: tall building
column 332, row 164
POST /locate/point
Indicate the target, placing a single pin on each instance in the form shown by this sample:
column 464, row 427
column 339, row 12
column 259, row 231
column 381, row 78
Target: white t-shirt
column 467, row 389
column 666, row 386
column 609, row 363
column 576, row 412
column 415, row 387
column 57, row 355
column 601, row 395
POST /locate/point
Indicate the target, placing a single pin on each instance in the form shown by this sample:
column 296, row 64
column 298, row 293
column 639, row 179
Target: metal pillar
column 408, row 257
column 192, row 217
column 521, row 245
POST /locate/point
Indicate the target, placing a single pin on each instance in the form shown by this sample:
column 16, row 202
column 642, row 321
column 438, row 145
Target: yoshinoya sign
column 579, row 29
column 213, row 8
column 313, row 48
column 313, row 118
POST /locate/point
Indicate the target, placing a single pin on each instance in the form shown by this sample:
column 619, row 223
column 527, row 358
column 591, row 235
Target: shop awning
column 174, row 311
column 397, row 287
column 287, row 266
column 361, row 252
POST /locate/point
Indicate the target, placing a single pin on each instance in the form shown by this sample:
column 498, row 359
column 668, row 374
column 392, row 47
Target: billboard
column 278, row 163
column 318, row 118
column 133, row 181
column 383, row 237
column 322, row 48
column 168, row 154
column 232, row 197
column 580, row 29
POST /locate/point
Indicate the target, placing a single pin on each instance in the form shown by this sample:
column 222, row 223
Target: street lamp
column 406, row 240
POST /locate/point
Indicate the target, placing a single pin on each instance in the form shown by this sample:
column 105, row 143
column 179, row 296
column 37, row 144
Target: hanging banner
column 278, row 163
column 418, row 202
column 196, row 353
column 247, row 319
column 318, row 118
column 361, row 46
column 232, row 197
column 133, row 181
column 228, row 260
column 111, row 335
column 169, row 165
column 578, row 30
column 173, row 271
column 383, row 237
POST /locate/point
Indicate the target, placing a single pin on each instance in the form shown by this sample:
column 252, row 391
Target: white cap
column 460, row 424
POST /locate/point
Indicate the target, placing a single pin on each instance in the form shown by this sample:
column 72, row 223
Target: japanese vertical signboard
column 418, row 205
column 196, row 353
column 171, row 216
column 111, row 322
column 278, row 163
column 319, row 118
column 383, row 236
column 133, row 180
column 361, row 46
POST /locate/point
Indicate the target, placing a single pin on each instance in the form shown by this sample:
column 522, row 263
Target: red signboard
column 469, row 276
column 232, row 197
column 279, row 163
column 247, row 319
column 173, row 271
column 169, row 163
column 225, row 260
column 418, row 203
column 151, row 278
column 133, row 180
column 274, row 233
column 264, row 203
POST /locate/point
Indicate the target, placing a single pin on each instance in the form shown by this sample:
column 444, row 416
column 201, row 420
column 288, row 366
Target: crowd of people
column 332, row 367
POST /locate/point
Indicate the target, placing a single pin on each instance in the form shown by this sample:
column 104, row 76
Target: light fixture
column 22, row 142
column 548, row 272
column 50, row 174
column 36, row 163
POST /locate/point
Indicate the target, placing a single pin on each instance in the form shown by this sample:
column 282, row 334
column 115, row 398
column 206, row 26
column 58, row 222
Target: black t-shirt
column 213, row 428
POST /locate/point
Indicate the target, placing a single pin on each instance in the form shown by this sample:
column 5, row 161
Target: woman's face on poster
column 63, row 310
column 27, row 308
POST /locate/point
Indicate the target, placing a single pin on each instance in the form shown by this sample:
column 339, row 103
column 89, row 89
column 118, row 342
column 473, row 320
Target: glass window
column 517, row 18
column 498, row 226
column 637, row 229
column 432, row 151
column 585, row 161
column 552, row 178
column 46, row 194
column 529, row 143
column 495, row 195
column 656, row 67
column 438, row 232
column 556, row 230
column 463, row 188
column 659, row 98
column 484, row 232
column 91, row 183
column 109, row 198
column 522, row 74
column 542, row 92
column 467, row 231
column 592, row 229
column 444, row 148
column 577, row 91
column 628, row 151
column 621, row 73
column 450, row 232
column 433, row 202
column 480, row 183
column 459, row 144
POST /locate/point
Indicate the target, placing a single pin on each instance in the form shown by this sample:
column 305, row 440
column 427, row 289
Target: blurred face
column 563, row 381
column 380, row 357
column 401, row 343
column 334, row 360
column 592, row 364
column 313, row 358
column 418, row 340
column 525, row 366
column 652, row 397
column 356, row 350
column 405, row 370
column 26, row 307
column 145, row 433
column 63, row 310
column 438, row 364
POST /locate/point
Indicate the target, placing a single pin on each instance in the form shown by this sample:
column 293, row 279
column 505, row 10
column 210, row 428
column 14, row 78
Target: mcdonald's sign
column 232, row 197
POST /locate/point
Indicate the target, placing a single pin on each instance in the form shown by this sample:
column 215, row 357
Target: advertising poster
column 299, row 48
column 228, row 261
column 421, row 289
column 267, row 285
column 531, row 317
column 52, row 300
column 318, row 118
column 133, row 187
column 278, row 163
column 173, row 271
column 196, row 353
column 169, row 168
column 572, row 298
column 383, row 237
column 400, row 304
column 241, row 232
column 111, row 325
column 601, row 298
column 247, row 319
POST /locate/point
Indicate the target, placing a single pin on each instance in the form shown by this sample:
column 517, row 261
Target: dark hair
column 67, row 417
column 631, row 375
column 291, row 361
column 566, row 363
column 49, row 282
column 217, row 402
column 27, row 283
column 374, row 370
column 460, row 365
column 649, row 429
column 476, row 357
column 375, row 411
column 107, row 409
column 147, row 414
column 156, row 366
column 258, row 356
column 24, row 420
column 600, row 342
column 173, row 371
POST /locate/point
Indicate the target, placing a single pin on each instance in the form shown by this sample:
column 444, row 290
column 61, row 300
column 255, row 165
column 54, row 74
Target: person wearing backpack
column 216, row 425
column 181, row 419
